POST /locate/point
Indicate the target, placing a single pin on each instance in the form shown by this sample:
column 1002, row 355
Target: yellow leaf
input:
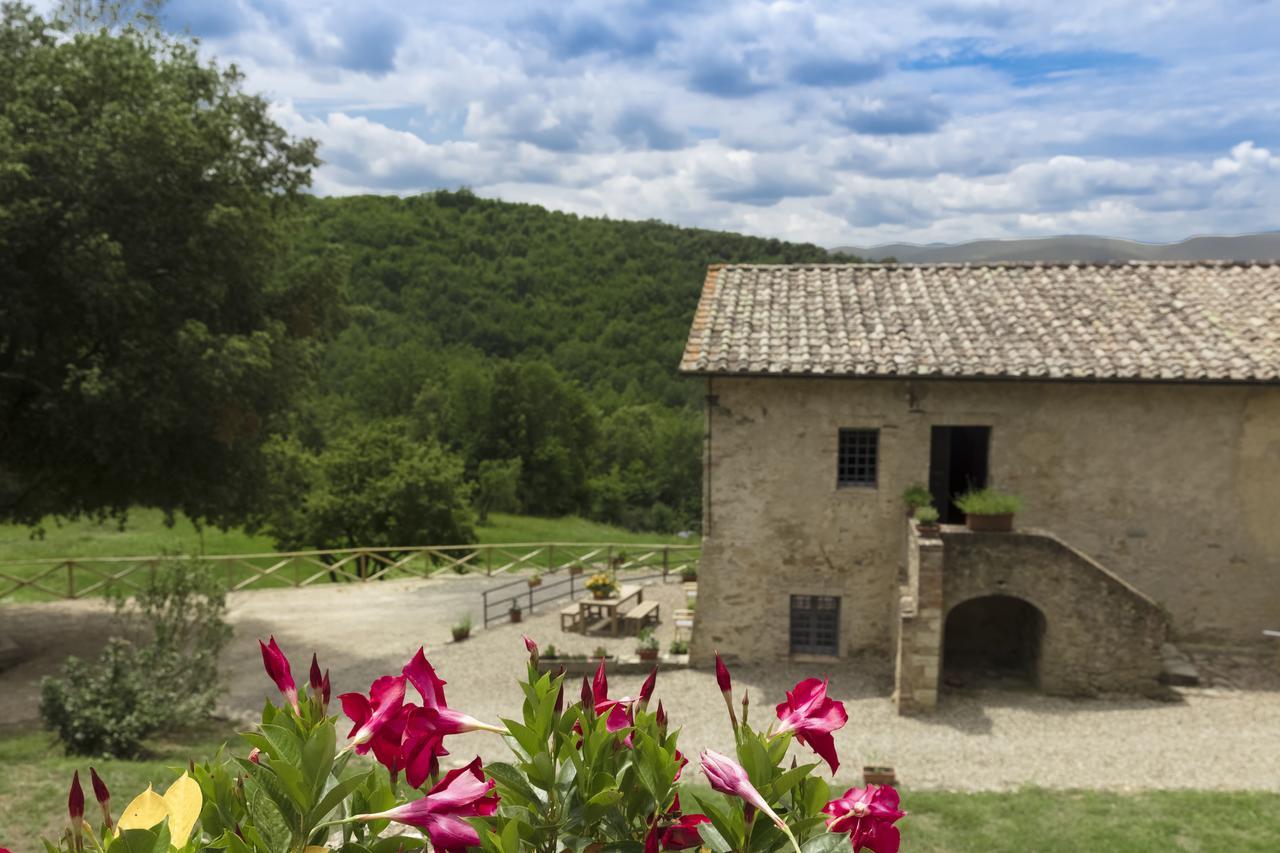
column 146, row 810
column 183, row 800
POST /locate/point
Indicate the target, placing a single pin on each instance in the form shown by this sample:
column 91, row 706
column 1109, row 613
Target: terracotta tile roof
column 1205, row 321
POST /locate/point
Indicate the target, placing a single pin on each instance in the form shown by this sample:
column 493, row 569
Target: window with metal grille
column 815, row 624
column 858, row 456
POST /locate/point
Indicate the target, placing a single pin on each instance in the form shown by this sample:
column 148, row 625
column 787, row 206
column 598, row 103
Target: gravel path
column 1221, row 737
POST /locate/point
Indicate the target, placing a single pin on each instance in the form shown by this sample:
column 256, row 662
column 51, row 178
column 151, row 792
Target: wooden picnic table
column 595, row 609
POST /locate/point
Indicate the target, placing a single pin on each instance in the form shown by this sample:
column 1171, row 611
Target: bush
column 988, row 502
column 916, row 496
column 108, row 706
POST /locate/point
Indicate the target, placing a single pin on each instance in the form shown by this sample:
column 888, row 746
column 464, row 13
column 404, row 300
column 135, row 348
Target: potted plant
column 514, row 611
column 535, row 580
column 989, row 510
column 916, row 497
column 575, row 569
column 647, row 645
column 927, row 521
column 601, row 585
column 878, row 774
column 679, row 647
column 600, row 653
column 462, row 630
column 689, row 574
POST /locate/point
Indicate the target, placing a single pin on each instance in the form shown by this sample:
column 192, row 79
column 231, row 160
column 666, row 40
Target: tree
column 372, row 487
column 154, row 323
column 497, row 487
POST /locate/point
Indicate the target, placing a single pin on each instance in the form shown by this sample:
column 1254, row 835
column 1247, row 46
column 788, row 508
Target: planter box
column 875, row 774
column 989, row 523
column 576, row 667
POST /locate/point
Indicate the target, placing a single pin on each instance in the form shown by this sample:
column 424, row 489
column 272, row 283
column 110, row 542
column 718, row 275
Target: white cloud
column 928, row 120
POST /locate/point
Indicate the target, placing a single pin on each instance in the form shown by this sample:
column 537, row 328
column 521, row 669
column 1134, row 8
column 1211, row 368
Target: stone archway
column 993, row 638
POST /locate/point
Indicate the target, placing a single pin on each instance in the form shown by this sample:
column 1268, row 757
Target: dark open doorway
column 958, row 458
column 993, row 638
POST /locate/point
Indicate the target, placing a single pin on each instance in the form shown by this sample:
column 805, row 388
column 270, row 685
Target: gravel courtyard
column 1224, row 736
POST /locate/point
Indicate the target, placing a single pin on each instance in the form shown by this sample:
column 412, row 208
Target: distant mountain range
column 1244, row 247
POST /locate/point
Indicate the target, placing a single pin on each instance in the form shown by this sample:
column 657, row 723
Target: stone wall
column 1100, row 634
column 1171, row 487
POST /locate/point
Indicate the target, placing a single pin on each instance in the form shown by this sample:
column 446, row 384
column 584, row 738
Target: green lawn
column 146, row 534
column 33, row 791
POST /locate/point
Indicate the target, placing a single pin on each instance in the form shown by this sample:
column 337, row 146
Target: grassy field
column 146, row 534
column 33, row 791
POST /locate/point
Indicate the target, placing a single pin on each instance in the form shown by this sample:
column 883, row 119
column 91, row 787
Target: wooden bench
column 570, row 617
column 683, row 620
column 644, row 613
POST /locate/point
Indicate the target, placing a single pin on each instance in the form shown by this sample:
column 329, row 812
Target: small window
column 858, row 456
column 815, row 624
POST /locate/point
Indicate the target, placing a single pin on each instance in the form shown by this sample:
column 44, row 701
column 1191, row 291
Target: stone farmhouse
column 1134, row 407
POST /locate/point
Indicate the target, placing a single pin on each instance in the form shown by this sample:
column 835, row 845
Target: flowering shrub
column 601, row 773
column 601, row 584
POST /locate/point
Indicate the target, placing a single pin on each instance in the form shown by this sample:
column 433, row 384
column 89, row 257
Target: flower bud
column 75, row 809
column 588, row 700
column 532, row 648
column 102, row 795
column 255, row 755
column 726, row 689
column 646, row 689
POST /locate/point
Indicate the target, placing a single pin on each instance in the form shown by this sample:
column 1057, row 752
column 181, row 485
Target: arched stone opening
column 992, row 638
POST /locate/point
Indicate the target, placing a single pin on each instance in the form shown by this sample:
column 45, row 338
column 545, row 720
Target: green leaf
column 827, row 842
column 136, row 841
column 317, row 757
column 335, row 796
column 713, row 839
column 512, row 784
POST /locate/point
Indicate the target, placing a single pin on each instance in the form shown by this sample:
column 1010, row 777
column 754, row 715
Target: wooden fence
column 75, row 577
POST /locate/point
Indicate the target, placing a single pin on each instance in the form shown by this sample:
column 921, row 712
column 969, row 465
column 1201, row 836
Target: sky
column 837, row 123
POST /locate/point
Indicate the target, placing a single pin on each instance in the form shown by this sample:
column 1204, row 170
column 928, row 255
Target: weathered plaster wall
column 1174, row 488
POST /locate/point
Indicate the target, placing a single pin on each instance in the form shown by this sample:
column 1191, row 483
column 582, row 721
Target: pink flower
column 378, row 719
column 446, row 721
column 277, row 666
column 618, row 711
column 729, row 777
column 421, row 749
column 868, row 815
column 461, row 793
column 813, row 717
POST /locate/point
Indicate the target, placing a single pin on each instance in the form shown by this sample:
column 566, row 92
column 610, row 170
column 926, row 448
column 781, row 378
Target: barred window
column 815, row 624
column 858, row 456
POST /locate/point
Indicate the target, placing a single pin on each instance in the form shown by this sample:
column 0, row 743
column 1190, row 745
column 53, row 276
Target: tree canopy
column 154, row 324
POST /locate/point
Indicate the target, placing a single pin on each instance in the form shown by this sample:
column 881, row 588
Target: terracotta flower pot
column 574, row 571
column 535, row 581
column 515, row 615
column 599, row 594
column 874, row 774
column 459, row 636
column 990, row 523
column 647, row 654
column 928, row 529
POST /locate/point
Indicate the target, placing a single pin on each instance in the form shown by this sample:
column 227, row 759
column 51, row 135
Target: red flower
column 683, row 834
column 461, row 793
column 102, row 795
column 646, row 689
column 255, row 755
column 424, row 679
column 319, row 683
column 277, row 666
column 618, row 710
column 813, row 717
column 421, row 749
column 726, row 689
column 729, row 777
column 532, row 648
column 379, row 721
column 868, row 815
column 75, row 802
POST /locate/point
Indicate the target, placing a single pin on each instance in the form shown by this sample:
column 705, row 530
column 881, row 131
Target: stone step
column 1178, row 670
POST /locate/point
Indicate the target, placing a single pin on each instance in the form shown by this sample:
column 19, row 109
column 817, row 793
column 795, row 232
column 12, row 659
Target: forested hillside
column 532, row 353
